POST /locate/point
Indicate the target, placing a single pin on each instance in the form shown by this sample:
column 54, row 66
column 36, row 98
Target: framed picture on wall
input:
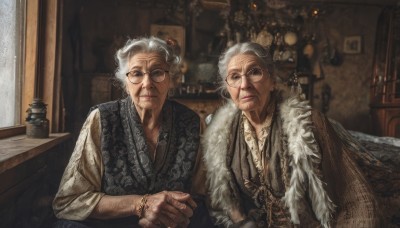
column 165, row 32
column 352, row 45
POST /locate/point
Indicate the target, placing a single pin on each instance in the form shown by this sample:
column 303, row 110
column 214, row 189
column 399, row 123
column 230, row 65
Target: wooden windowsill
column 18, row 149
column 12, row 131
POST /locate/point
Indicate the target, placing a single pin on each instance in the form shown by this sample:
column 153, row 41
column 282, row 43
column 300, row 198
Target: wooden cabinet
column 385, row 83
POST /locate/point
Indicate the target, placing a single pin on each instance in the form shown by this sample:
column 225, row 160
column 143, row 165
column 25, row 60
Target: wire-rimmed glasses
column 137, row 76
column 234, row 79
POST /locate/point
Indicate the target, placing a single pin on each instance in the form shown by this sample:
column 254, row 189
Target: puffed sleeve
column 80, row 186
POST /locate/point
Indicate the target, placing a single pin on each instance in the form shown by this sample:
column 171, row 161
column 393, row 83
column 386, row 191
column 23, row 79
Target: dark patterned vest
column 128, row 168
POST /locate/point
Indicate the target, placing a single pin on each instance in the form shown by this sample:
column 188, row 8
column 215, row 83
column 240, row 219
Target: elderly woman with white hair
column 136, row 161
column 273, row 161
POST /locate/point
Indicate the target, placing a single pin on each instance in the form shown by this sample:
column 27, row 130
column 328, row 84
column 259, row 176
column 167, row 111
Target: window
column 29, row 62
column 12, row 28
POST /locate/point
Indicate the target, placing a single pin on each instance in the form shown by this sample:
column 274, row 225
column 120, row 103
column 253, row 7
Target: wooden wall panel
column 50, row 90
column 31, row 57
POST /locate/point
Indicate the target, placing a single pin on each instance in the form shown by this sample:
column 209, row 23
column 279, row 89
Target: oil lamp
column 37, row 125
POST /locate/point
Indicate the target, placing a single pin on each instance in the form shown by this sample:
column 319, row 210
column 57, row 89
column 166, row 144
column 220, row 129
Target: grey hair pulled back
column 145, row 45
column 244, row 48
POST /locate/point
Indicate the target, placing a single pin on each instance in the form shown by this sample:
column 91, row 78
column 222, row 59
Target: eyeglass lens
column 137, row 76
column 253, row 75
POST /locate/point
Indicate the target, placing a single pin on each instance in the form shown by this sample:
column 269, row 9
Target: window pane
column 12, row 27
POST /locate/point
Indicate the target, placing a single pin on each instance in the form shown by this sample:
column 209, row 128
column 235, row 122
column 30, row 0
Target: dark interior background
column 94, row 29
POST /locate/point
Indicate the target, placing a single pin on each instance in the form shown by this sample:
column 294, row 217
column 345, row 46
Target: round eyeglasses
column 253, row 75
column 137, row 76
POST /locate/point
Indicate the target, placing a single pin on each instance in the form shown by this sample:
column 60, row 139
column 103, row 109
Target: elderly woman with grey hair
column 272, row 161
column 136, row 161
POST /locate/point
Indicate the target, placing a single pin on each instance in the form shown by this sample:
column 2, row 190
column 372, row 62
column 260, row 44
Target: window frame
column 41, row 64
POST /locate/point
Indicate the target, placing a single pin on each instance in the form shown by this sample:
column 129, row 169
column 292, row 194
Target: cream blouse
column 255, row 144
column 80, row 186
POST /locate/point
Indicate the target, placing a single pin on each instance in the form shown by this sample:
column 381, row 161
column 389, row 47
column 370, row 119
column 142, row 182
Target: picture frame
column 170, row 31
column 352, row 45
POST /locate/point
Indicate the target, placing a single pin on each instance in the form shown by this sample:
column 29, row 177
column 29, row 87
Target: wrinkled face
column 249, row 96
column 148, row 94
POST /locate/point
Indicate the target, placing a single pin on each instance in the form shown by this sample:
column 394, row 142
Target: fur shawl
column 303, row 151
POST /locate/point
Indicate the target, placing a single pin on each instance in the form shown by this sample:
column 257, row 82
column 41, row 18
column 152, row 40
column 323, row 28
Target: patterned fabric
column 358, row 207
column 378, row 157
column 273, row 208
column 256, row 144
column 128, row 166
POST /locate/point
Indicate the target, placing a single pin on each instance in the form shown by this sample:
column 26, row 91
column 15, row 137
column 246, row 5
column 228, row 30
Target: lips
column 247, row 97
column 148, row 95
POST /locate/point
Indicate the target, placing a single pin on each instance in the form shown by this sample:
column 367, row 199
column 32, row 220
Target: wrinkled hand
column 168, row 209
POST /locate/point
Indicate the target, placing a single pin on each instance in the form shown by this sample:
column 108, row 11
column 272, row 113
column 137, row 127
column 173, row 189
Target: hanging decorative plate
column 264, row 38
column 290, row 38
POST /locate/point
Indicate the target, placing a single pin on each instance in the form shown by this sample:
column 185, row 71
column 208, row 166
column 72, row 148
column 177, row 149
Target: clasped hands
column 167, row 209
